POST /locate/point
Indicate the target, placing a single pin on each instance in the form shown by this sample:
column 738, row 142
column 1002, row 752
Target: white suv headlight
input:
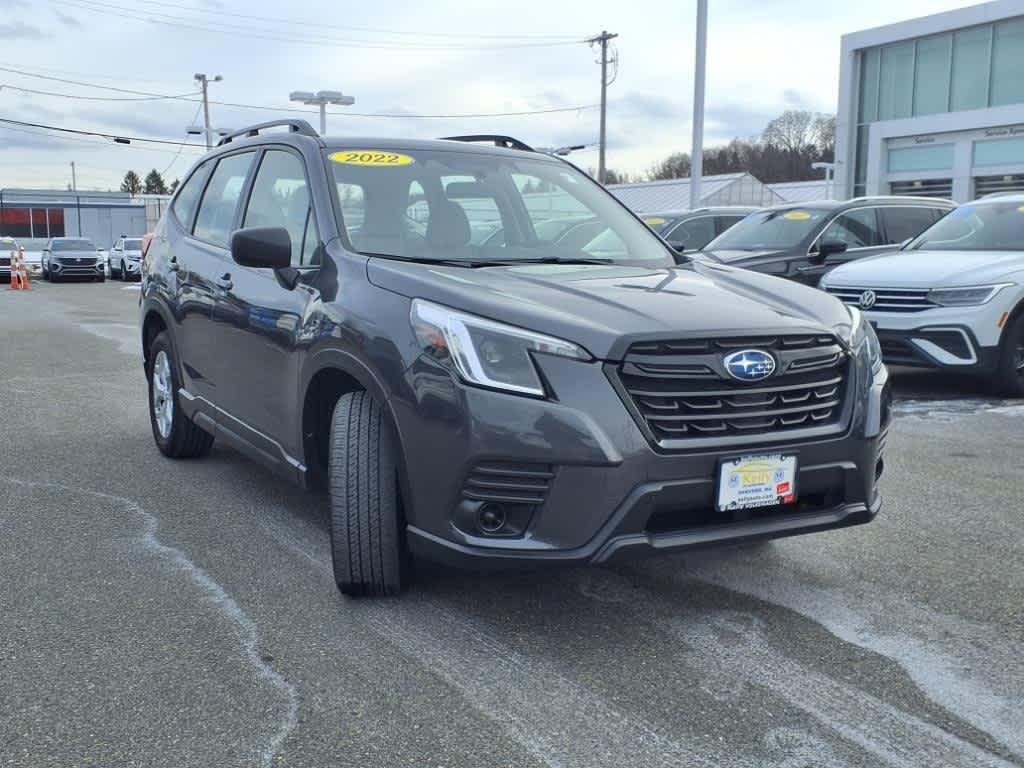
column 965, row 296
column 484, row 352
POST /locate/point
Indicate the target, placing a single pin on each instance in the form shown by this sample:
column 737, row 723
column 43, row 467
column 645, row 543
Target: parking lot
column 184, row 613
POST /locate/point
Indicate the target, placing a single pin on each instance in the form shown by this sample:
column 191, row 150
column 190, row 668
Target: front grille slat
column 806, row 392
column 886, row 299
column 508, row 483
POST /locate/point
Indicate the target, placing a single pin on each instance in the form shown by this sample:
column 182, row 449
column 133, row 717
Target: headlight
column 966, row 296
column 484, row 352
column 862, row 332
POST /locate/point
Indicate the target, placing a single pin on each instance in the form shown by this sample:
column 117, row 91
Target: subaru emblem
column 749, row 365
column 867, row 299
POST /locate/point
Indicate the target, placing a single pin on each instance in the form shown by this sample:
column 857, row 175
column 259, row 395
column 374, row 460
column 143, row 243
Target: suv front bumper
column 599, row 489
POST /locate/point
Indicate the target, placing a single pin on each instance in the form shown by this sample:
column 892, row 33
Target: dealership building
column 934, row 106
column 31, row 216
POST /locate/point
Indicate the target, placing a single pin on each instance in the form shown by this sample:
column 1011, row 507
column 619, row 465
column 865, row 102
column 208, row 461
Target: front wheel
column 1011, row 359
column 367, row 540
column 175, row 434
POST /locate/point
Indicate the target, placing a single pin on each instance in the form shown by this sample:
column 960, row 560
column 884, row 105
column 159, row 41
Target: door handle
column 224, row 282
column 172, row 264
column 808, row 268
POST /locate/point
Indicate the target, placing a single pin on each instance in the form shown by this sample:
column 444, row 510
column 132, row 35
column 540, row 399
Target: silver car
column 65, row 257
column 125, row 257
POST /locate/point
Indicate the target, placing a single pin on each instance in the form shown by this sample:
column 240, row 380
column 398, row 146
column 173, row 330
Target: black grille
column 508, row 483
column 78, row 261
column 681, row 390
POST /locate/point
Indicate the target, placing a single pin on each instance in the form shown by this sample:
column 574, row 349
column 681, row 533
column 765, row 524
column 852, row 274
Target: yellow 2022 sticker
column 654, row 222
column 796, row 215
column 375, row 158
column 1021, row 209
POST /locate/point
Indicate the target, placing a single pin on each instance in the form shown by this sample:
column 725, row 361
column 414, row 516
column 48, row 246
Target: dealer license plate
column 763, row 480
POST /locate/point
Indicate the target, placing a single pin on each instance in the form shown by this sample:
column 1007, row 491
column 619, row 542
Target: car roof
column 999, row 197
column 858, row 202
column 707, row 209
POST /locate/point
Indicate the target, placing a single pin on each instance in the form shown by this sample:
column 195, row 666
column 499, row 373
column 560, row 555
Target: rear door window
column 693, row 233
column 903, row 222
column 216, row 216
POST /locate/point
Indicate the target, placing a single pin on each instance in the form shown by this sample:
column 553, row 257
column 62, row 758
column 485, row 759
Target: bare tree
column 791, row 131
column 675, row 166
column 824, row 132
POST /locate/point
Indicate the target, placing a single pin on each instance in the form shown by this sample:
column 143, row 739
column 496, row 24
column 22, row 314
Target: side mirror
column 677, row 245
column 262, row 247
column 827, row 248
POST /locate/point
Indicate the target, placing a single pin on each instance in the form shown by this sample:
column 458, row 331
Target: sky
column 399, row 58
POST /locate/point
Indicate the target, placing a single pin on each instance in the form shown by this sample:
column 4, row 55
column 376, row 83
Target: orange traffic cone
column 24, row 269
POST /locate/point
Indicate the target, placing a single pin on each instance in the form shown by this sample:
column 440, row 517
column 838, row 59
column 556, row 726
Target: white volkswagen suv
column 953, row 298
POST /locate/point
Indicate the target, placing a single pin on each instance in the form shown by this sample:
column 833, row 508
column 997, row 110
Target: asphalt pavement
column 162, row 613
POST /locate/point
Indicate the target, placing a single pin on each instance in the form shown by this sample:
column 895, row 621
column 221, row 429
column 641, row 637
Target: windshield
column 769, row 230
column 72, row 245
column 986, row 227
column 481, row 208
column 133, row 244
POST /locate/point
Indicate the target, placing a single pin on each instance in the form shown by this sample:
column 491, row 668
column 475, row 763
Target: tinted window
column 184, row 205
column 857, row 228
column 280, row 198
column 217, row 211
column 693, row 233
column 133, row 244
column 724, row 222
column 901, row 223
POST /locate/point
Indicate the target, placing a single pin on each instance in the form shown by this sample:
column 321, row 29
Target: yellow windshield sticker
column 796, row 215
column 1021, row 209
column 654, row 222
column 374, row 158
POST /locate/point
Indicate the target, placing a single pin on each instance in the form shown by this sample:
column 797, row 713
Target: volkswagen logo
column 749, row 365
column 867, row 299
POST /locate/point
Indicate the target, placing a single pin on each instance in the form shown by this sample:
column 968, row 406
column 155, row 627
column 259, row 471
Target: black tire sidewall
column 1011, row 383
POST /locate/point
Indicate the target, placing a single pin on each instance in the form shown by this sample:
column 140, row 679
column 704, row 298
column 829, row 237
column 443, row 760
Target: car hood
column 605, row 308
column 74, row 254
column 926, row 269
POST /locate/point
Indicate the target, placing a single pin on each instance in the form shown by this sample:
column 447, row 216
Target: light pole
column 830, row 174
column 697, row 151
column 204, row 81
column 322, row 99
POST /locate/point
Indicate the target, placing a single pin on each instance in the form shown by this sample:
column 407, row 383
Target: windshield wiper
column 550, row 260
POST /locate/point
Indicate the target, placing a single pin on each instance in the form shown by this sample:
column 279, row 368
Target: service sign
column 756, row 481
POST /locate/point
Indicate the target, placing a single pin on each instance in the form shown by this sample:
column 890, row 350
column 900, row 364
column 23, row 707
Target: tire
column 1010, row 376
column 177, row 436
column 367, row 541
column 123, row 273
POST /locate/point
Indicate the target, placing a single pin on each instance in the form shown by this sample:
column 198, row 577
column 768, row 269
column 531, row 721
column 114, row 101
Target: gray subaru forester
column 326, row 307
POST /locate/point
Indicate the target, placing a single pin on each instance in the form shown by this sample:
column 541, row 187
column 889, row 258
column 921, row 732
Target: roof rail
column 294, row 126
column 1004, row 193
column 507, row 142
column 918, row 198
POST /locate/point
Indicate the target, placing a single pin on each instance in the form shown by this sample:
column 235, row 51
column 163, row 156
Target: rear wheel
column 175, row 434
column 123, row 273
column 1011, row 359
column 367, row 541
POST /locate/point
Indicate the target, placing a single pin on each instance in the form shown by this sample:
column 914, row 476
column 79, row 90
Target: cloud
column 68, row 21
column 18, row 30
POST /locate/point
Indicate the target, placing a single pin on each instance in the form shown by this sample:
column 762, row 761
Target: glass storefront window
column 896, row 81
column 931, row 76
column 932, row 157
column 1008, row 63
column 868, row 108
column 999, row 151
column 969, row 82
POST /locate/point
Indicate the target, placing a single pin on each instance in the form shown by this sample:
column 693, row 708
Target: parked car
column 521, row 405
column 124, row 258
column 8, row 246
column 803, row 242
column 65, row 257
column 693, row 230
column 953, row 299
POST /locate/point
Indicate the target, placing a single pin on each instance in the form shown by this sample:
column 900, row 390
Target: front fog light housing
column 484, row 352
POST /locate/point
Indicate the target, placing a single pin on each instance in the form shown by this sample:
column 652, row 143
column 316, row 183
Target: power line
column 94, row 98
column 373, row 30
column 187, row 98
column 115, row 137
column 268, row 34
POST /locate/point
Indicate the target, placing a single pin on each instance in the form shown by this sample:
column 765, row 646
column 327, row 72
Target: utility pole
column 322, row 99
column 697, row 150
column 74, row 180
column 204, row 82
column 603, row 39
